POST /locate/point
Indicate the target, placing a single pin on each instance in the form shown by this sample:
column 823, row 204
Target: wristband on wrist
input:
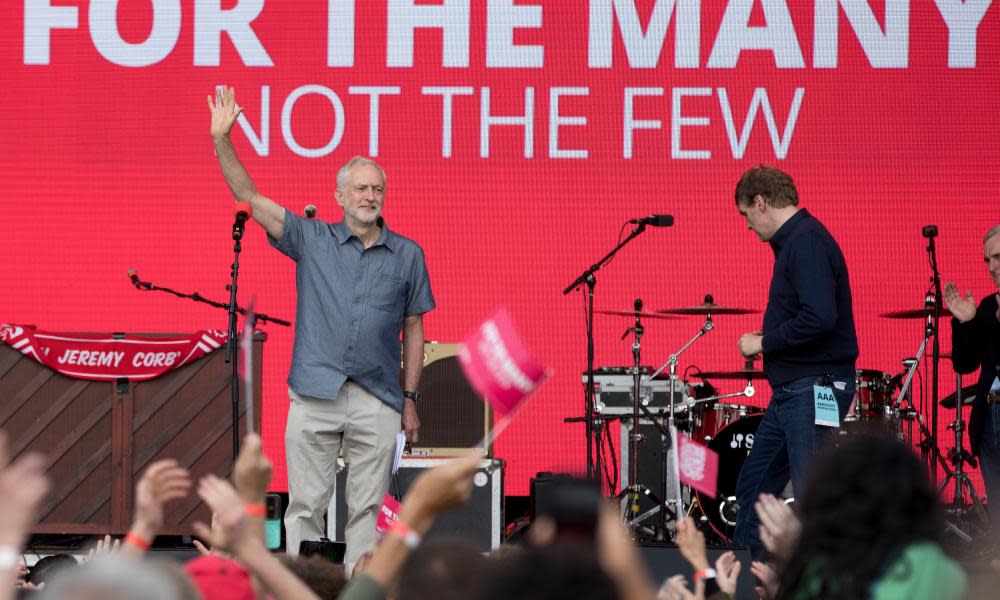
column 138, row 541
column 255, row 510
column 704, row 574
column 10, row 558
column 402, row 531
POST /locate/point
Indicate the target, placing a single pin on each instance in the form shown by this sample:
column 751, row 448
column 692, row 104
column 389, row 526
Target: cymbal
column 708, row 308
column 917, row 313
column 633, row 313
column 737, row 374
column 968, row 397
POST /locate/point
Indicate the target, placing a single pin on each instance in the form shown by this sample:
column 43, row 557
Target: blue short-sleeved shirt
column 350, row 307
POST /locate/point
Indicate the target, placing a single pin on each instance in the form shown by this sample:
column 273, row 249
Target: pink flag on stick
column 498, row 364
column 246, row 366
column 698, row 465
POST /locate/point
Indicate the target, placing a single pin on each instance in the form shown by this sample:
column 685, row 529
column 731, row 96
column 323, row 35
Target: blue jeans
column 989, row 463
column 783, row 450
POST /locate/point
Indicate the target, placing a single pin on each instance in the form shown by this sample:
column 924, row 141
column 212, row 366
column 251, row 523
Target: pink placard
column 699, row 465
column 388, row 514
column 498, row 364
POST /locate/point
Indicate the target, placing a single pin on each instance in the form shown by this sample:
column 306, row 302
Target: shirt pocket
column 387, row 292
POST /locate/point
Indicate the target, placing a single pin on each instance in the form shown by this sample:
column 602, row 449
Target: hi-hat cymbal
column 917, row 313
column 968, row 397
column 634, row 313
column 708, row 308
column 737, row 374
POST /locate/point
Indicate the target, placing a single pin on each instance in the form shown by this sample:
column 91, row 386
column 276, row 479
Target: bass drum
column 733, row 444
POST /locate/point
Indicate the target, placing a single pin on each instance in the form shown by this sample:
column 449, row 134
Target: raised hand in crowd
column 104, row 547
column 691, row 542
column 675, row 588
column 163, row 481
column 779, row 525
column 23, row 485
column 963, row 309
column 234, row 534
column 252, row 476
column 727, row 571
column 768, row 578
column 620, row 558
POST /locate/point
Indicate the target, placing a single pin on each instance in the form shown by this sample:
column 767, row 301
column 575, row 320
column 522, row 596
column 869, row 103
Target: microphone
column 655, row 220
column 310, row 211
column 929, row 231
column 243, row 211
column 133, row 276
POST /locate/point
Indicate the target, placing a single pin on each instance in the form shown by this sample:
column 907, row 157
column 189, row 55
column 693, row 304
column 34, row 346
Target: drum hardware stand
column 594, row 424
column 676, row 499
column 634, row 488
column 927, row 444
column 958, row 457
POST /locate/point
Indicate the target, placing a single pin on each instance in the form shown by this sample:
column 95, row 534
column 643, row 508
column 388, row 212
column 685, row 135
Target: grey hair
column 110, row 578
column 995, row 230
column 357, row 161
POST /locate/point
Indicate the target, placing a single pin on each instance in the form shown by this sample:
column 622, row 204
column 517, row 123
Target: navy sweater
column 809, row 323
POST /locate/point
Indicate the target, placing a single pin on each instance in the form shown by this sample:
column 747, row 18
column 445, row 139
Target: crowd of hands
column 236, row 534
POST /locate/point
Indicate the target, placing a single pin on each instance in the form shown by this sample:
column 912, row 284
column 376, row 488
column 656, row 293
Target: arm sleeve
column 967, row 340
column 814, row 281
column 292, row 242
column 419, row 298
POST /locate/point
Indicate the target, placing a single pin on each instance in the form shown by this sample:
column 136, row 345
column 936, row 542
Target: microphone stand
column 593, row 429
column 232, row 342
column 933, row 323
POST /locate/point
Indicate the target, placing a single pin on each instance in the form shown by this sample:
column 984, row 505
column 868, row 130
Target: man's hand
column 252, row 473
column 23, row 485
column 768, row 578
column 225, row 111
column 750, row 344
column 963, row 309
column 163, row 481
column 727, row 571
column 691, row 543
column 410, row 421
column 779, row 525
column 231, row 531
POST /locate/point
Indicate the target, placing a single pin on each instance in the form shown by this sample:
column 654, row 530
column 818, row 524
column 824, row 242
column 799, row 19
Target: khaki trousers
column 364, row 429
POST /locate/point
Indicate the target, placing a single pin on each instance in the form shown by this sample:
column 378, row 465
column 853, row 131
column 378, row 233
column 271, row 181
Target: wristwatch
column 415, row 396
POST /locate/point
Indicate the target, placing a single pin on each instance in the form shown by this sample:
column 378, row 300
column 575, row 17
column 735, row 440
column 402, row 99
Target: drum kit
column 692, row 408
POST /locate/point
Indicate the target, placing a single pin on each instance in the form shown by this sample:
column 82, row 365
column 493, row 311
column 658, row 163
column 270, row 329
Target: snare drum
column 711, row 419
column 872, row 396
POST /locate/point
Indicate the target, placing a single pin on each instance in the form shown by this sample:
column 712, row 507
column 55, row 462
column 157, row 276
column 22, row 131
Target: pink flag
column 388, row 514
column 698, row 465
column 498, row 365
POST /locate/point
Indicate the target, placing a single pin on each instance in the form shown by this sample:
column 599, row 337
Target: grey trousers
column 364, row 429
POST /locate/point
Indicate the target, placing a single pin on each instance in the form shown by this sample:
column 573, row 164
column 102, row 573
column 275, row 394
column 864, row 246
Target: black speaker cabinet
column 453, row 417
column 480, row 520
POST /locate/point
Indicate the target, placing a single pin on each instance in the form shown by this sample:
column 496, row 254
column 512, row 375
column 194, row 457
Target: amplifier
column 480, row 520
column 453, row 417
column 613, row 391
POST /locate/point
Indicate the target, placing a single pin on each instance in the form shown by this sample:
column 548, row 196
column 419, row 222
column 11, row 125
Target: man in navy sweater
column 808, row 343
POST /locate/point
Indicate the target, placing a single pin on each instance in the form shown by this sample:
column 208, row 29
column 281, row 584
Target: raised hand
column 727, row 571
column 225, row 111
column 104, row 547
column 676, row 588
column 691, row 543
column 779, row 526
column 768, row 577
column 963, row 309
column 231, row 530
column 252, row 473
column 23, row 485
column 162, row 482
